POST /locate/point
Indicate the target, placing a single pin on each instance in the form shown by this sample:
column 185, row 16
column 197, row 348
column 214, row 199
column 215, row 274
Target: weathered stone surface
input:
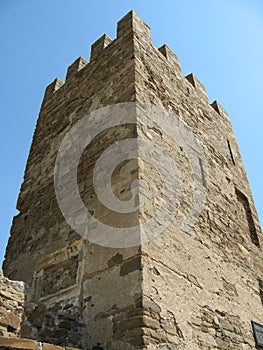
column 11, row 306
column 11, row 320
column 131, row 265
column 115, row 260
column 28, row 344
column 151, row 306
column 46, row 346
column 192, row 287
column 12, row 343
column 61, row 276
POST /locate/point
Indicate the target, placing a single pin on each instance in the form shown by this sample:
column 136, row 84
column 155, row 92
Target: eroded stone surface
column 11, row 306
column 192, row 288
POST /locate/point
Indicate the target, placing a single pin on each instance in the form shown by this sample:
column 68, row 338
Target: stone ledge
column 28, row 344
column 15, row 343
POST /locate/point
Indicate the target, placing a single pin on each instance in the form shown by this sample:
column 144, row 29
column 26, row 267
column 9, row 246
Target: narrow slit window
column 260, row 285
column 231, row 153
column 251, row 225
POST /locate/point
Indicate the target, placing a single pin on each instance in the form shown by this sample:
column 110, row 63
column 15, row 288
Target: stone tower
column 196, row 283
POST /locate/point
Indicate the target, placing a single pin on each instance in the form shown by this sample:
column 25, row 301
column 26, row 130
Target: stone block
column 14, row 343
column 11, row 320
column 46, row 346
column 131, row 265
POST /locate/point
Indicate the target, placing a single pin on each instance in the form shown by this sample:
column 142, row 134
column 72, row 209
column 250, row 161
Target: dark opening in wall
column 11, row 329
column 251, row 225
column 231, row 153
column 260, row 285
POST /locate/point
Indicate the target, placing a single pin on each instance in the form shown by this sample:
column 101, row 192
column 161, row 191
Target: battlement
column 170, row 56
column 199, row 87
column 130, row 24
column 99, row 46
column 53, row 87
column 219, row 109
column 76, row 67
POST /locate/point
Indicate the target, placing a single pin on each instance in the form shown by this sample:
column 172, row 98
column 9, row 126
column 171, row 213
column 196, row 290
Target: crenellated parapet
column 130, row 25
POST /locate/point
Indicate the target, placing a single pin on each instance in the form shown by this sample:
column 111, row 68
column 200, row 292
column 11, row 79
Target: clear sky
column 221, row 42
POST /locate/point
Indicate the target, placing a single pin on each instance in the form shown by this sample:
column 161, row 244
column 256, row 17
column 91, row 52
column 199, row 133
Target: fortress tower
column 190, row 274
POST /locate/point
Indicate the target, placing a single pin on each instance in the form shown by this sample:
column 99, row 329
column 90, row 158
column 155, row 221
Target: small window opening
column 251, row 225
column 260, row 284
column 231, row 153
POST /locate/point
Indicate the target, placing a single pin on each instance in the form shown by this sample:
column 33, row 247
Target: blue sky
column 221, row 42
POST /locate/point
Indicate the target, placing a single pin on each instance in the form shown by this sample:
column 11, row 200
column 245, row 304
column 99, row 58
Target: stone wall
column 65, row 271
column 203, row 280
column 11, row 306
column 12, row 313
